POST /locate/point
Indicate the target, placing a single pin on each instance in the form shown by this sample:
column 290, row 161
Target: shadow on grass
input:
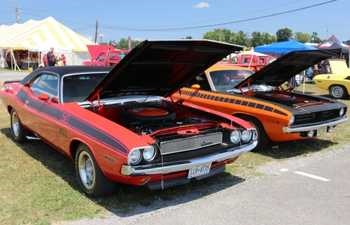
column 295, row 148
column 128, row 200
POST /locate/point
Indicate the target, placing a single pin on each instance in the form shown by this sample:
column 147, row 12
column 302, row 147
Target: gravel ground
column 303, row 190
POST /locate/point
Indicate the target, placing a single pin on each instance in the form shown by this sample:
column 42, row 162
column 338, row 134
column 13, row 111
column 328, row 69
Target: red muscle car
column 119, row 126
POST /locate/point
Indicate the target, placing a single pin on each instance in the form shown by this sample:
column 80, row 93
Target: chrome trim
column 166, row 150
column 230, row 154
column 313, row 127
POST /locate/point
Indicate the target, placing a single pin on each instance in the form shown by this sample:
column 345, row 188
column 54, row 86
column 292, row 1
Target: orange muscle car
column 279, row 114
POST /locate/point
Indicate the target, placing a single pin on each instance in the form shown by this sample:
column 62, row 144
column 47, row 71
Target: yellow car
column 337, row 81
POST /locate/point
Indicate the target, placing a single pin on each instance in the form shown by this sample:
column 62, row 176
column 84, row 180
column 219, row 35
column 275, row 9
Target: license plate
column 199, row 171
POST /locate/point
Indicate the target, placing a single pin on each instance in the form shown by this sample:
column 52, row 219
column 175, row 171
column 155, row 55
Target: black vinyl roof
column 63, row 70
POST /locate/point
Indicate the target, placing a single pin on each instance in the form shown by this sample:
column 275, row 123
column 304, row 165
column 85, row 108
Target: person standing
column 51, row 58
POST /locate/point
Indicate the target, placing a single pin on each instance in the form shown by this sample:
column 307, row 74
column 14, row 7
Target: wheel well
column 73, row 147
column 340, row 85
column 250, row 118
column 9, row 109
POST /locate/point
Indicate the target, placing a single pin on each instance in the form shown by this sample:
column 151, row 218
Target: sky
column 117, row 18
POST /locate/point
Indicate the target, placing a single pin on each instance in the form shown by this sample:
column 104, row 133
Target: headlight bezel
column 134, row 151
column 244, row 137
column 342, row 111
column 153, row 155
column 237, row 136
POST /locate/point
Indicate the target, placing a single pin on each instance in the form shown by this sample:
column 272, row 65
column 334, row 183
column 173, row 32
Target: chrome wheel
column 87, row 172
column 337, row 91
column 15, row 124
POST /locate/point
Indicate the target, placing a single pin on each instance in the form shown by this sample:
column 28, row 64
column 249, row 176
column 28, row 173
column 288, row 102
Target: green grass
column 38, row 184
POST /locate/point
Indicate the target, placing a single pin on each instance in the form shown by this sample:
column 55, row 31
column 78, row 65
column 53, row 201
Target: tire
column 263, row 140
column 89, row 176
column 337, row 91
column 18, row 132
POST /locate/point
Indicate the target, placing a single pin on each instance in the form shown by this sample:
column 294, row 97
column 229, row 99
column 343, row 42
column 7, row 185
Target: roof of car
column 63, row 70
column 223, row 66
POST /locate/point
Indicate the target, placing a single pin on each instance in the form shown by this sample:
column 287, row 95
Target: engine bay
column 148, row 117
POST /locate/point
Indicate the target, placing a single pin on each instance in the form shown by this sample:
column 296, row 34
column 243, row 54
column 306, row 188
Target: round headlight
column 135, row 157
column 149, row 153
column 291, row 120
column 341, row 112
column 246, row 136
column 235, row 137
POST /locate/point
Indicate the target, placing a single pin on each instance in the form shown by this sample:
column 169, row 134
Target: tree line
column 242, row 38
column 260, row 38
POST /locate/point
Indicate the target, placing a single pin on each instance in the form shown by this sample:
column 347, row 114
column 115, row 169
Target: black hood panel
column 287, row 66
column 161, row 67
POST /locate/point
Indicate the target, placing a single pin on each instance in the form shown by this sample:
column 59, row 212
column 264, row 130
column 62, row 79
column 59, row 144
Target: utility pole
column 18, row 15
column 129, row 43
column 96, row 31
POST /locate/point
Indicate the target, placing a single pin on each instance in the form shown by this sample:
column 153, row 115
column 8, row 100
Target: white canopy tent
column 41, row 35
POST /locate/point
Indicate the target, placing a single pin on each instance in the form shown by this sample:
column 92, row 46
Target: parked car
column 279, row 114
column 104, row 55
column 336, row 80
column 119, row 126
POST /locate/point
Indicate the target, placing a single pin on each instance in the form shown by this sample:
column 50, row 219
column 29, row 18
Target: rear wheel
column 337, row 91
column 90, row 177
column 17, row 130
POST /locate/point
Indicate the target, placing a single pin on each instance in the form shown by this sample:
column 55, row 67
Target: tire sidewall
column 21, row 134
column 84, row 148
column 340, row 96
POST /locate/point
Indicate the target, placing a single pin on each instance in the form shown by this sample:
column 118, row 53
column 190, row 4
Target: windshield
column 226, row 80
column 76, row 88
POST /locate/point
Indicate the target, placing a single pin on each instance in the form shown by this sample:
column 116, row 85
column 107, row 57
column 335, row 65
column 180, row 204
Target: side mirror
column 196, row 86
column 44, row 97
column 54, row 99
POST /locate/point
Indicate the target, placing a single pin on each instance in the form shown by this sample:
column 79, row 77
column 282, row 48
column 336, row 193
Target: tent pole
column 15, row 61
column 28, row 59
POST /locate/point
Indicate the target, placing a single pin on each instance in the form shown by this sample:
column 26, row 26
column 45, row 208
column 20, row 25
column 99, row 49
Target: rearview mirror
column 196, row 86
column 44, row 97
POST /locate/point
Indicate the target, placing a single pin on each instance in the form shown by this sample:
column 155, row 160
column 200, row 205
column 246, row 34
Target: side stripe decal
column 232, row 101
column 73, row 122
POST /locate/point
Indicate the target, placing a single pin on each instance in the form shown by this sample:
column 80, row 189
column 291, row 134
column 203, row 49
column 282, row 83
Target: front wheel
column 337, row 91
column 17, row 130
column 89, row 175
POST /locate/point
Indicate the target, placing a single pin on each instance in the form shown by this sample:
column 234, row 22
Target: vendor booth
column 282, row 48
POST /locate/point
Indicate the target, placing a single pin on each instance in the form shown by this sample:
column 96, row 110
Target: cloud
column 202, row 5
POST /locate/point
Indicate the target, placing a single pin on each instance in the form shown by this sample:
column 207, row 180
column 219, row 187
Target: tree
column 302, row 37
column 261, row 38
column 284, row 34
column 123, row 43
column 315, row 38
column 224, row 35
column 228, row 36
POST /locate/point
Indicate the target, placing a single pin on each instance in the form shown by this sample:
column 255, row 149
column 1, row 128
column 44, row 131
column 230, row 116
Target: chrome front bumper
column 313, row 127
column 188, row 164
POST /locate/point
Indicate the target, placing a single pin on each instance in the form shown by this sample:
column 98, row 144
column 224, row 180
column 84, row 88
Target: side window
column 201, row 80
column 45, row 83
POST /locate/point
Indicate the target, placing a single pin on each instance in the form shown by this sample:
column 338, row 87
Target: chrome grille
column 190, row 143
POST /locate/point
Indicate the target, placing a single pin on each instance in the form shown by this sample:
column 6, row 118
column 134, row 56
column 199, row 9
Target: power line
column 225, row 23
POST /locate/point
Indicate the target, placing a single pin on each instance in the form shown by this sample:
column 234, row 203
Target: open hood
column 287, row 66
column 161, row 67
